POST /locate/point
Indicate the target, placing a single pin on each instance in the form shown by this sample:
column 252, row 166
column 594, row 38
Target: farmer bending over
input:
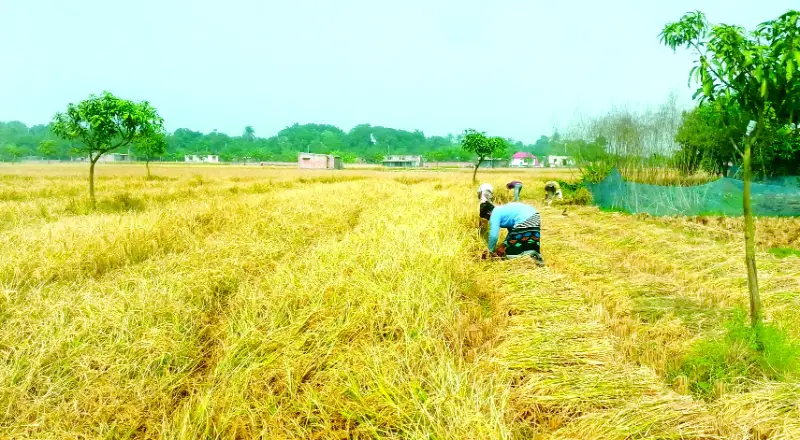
column 552, row 190
column 485, row 193
column 523, row 225
column 516, row 185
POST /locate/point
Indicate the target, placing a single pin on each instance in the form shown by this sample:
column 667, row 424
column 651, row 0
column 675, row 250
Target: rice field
column 225, row 302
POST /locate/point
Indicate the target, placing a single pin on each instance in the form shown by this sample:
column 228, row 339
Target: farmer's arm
column 494, row 231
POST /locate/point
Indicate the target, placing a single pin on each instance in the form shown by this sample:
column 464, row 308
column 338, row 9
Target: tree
column 249, row 133
column 437, row 156
column 105, row 123
column 704, row 139
column 477, row 143
column 149, row 147
column 47, row 148
column 756, row 72
column 11, row 152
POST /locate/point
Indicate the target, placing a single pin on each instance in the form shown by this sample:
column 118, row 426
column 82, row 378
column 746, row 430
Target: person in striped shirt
column 524, row 230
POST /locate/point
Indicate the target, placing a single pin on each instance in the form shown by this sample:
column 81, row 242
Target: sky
column 513, row 68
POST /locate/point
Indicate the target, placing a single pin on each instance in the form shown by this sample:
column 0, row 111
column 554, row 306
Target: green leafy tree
column 756, row 71
column 499, row 146
column 11, row 152
column 249, row 133
column 364, row 141
column 47, row 148
column 704, row 138
column 437, row 156
column 150, row 147
column 105, row 123
column 477, row 143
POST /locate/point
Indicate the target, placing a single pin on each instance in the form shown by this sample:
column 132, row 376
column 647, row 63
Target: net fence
column 775, row 197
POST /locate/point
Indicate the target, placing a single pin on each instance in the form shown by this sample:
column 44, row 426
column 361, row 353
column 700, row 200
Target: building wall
column 319, row 161
column 193, row 158
column 435, row 164
column 559, row 161
column 495, row 163
column 114, row 157
column 313, row 161
column 402, row 164
column 402, row 161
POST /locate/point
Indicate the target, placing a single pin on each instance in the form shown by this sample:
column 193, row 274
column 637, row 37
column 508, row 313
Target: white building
column 114, row 157
column 524, row 160
column 319, row 161
column 403, row 161
column 207, row 158
column 560, row 161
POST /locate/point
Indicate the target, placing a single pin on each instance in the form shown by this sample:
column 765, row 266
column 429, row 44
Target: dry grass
column 771, row 232
column 243, row 302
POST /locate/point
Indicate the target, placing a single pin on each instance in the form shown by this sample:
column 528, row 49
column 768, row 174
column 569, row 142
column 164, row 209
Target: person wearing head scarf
column 485, row 193
column 516, row 185
column 552, row 190
column 524, row 230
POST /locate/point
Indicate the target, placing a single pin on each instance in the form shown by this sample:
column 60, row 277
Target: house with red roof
column 523, row 159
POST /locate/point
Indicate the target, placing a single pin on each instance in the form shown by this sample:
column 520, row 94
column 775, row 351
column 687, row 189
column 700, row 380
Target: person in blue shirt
column 524, row 230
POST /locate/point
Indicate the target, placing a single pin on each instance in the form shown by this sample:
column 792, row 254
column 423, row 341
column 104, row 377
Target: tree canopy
column 366, row 142
column 747, row 76
column 484, row 147
column 101, row 124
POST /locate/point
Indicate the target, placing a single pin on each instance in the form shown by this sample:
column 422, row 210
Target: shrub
column 784, row 252
column 741, row 354
column 582, row 197
column 596, row 172
column 122, row 202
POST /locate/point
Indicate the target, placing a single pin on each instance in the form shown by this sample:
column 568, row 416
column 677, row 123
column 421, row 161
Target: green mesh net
column 778, row 197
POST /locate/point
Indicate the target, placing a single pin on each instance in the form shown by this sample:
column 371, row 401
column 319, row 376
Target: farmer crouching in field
column 516, row 185
column 523, row 224
column 485, row 193
column 552, row 190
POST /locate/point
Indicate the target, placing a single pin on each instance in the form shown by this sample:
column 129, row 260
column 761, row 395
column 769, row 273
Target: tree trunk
column 475, row 173
column 92, row 162
column 749, row 239
column 147, row 165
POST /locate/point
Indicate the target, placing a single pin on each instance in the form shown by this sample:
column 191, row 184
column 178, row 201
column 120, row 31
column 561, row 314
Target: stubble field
column 233, row 302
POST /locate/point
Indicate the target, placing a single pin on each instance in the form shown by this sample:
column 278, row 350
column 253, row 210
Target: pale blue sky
column 512, row 68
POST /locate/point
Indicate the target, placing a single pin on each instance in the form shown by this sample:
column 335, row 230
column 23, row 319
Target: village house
column 204, row 158
column 524, row 160
column 560, row 161
column 315, row 161
column 402, row 161
column 494, row 162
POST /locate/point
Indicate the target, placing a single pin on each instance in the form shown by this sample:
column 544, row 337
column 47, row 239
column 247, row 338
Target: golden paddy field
column 222, row 302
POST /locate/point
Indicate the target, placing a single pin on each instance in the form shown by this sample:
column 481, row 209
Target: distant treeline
column 365, row 142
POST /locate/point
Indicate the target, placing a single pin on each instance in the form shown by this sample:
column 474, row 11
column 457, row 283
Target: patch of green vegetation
column 741, row 354
column 575, row 193
column 783, row 252
column 122, row 202
column 650, row 309
column 613, row 209
column 570, row 187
